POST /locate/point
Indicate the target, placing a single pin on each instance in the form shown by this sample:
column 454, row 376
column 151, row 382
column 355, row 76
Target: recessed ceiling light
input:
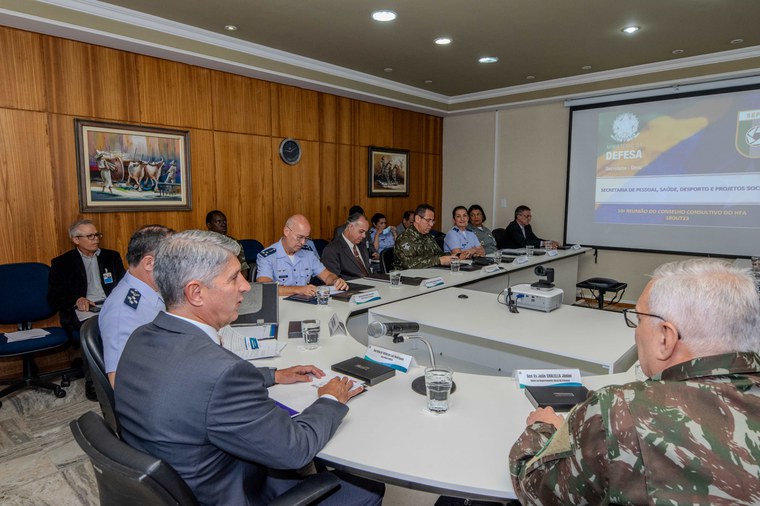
column 387, row 69
column 442, row 41
column 737, row 41
column 428, row 81
column 383, row 15
column 586, row 67
column 488, row 59
column 677, row 51
column 630, row 29
column 230, row 28
column 530, row 78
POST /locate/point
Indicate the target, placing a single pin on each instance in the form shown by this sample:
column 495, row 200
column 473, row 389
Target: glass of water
column 323, row 296
column 310, row 334
column 395, row 279
column 438, row 386
column 497, row 256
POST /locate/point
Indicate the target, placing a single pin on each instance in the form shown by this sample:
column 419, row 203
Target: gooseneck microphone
column 379, row 329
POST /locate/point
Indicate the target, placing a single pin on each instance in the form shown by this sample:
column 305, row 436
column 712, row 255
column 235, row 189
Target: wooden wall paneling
column 91, row 81
column 407, row 130
column 22, row 84
column 26, row 188
column 375, row 126
column 174, row 94
column 296, row 187
column 336, row 186
column 203, row 176
column 244, row 185
column 295, row 113
column 336, row 119
column 240, row 104
column 432, row 135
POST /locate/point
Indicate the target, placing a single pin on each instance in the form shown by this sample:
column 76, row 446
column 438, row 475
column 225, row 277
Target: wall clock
column 290, row 151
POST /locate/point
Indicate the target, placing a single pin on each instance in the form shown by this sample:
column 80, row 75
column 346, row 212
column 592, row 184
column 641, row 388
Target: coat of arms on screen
column 625, row 128
column 748, row 133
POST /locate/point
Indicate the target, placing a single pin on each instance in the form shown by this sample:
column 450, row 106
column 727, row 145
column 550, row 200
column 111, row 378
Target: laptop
column 260, row 306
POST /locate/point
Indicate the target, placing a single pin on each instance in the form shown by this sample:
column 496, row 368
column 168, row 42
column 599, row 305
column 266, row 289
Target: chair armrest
column 309, row 490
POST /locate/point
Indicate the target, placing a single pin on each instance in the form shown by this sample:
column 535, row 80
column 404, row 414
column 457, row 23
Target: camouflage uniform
column 690, row 435
column 415, row 251
column 485, row 236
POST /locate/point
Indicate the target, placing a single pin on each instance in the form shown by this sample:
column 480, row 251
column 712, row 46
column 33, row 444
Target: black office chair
column 501, row 237
column 23, row 300
column 127, row 476
column 320, row 245
column 251, row 249
column 386, row 260
column 92, row 348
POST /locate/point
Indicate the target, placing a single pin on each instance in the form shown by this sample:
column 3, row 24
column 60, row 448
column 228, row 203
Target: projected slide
column 693, row 164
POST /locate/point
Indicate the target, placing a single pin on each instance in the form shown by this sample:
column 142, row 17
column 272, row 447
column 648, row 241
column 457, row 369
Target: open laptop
column 260, row 306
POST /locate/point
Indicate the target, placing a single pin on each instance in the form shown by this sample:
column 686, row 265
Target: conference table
column 388, row 433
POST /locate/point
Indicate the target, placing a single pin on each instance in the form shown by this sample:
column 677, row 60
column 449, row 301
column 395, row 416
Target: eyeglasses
column 91, row 236
column 632, row 318
column 299, row 237
column 429, row 220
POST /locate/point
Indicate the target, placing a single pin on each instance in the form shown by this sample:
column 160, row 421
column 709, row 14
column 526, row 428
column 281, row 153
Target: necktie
column 359, row 262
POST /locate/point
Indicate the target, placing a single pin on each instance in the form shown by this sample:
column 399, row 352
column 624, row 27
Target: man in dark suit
column 182, row 397
column 520, row 234
column 347, row 255
column 83, row 276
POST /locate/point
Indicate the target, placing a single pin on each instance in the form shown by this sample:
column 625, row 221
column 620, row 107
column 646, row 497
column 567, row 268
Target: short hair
column 353, row 218
column 145, row 241
column 189, row 255
column 420, row 211
column 408, row 215
column 210, row 215
column 714, row 305
column 457, row 208
column 476, row 207
column 75, row 226
column 355, row 210
column 377, row 217
column 521, row 209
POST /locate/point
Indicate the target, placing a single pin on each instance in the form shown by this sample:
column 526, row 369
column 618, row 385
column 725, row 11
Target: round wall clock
column 290, row 151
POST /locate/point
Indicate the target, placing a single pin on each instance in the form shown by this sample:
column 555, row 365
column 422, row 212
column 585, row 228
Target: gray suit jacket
column 183, row 398
column 339, row 258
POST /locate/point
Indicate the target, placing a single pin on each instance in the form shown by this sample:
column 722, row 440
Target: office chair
column 251, row 249
column 501, row 237
column 127, row 476
column 23, row 300
column 92, row 348
column 386, row 260
column 320, row 245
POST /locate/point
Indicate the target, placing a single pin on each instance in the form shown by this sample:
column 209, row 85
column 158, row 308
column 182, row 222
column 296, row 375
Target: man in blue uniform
column 291, row 263
column 135, row 301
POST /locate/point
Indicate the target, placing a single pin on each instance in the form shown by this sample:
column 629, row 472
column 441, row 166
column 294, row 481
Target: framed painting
column 132, row 168
column 388, row 172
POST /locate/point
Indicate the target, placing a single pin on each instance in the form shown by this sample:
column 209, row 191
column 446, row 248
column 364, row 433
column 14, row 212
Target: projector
column 540, row 299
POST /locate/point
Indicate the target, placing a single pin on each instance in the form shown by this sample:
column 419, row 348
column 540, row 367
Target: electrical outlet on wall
column 504, row 203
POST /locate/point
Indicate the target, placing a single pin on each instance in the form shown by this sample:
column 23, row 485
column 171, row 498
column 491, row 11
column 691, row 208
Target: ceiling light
column 737, row 41
column 630, row 29
column 586, row 67
column 442, row 41
column 530, row 78
column 488, row 59
column 230, row 28
column 428, row 81
column 677, row 51
column 383, row 15
column 387, row 69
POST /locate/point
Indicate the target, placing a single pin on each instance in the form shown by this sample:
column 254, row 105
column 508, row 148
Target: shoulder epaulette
column 268, row 252
column 307, row 247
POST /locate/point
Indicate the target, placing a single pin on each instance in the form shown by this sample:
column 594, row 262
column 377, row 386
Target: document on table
column 23, row 335
column 257, row 342
column 296, row 398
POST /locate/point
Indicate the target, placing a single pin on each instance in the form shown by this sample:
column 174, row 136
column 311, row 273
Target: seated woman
column 484, row 234
column 381, row 235
column 460, row 241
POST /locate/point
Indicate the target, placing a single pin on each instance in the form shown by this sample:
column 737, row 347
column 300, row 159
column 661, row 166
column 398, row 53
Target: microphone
column 378, row 329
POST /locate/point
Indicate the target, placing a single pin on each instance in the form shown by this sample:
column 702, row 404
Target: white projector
column 540, row 299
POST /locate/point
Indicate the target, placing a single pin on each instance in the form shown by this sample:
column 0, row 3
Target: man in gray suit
column 347, row 255
column 181, row 397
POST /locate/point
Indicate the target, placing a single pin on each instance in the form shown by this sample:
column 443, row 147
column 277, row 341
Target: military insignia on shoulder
column 406, row 246
column 267, row 252
column 306, row 247
column 133, row 298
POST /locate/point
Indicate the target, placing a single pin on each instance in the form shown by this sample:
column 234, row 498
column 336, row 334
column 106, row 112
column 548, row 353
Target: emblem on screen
column 748, row 133
column 625, row 128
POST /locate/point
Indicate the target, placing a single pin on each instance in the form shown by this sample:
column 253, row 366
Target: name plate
column 552, row 253
column 399, row 361
column 488, row 269
column 364, row 297
column 547, row 377
column 575, row 247
column 521, row 259
column 336, row 327
column 431, row 282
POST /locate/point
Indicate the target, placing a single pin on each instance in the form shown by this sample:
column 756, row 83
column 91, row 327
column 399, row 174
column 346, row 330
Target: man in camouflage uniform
column 415, row 248
column 688, row 435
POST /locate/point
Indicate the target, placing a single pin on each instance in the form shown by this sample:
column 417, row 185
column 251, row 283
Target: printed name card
column 552, row 253
column 521, row 259
column 336, row 327
column 364, row 297
column 575, row 247
column 393, row 359
column 547, row 377
column 488, row 269
column 431, row 282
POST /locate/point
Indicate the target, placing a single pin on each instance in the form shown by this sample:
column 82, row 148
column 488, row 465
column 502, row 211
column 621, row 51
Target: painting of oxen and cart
column 132, row 168
column 388, row 172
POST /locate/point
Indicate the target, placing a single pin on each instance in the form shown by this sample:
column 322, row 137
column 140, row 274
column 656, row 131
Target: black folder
column 559, row 397
column 369, row 372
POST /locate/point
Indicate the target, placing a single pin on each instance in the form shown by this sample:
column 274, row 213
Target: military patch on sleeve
column 133, row 298
column 267, row 252
column 406, row 246
column 306, row 247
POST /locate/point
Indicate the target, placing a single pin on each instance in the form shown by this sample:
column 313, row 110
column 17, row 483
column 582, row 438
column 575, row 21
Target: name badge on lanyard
column 107, row 278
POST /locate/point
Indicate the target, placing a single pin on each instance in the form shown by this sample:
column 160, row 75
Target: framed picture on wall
column 388, row 172
column 132, row 168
